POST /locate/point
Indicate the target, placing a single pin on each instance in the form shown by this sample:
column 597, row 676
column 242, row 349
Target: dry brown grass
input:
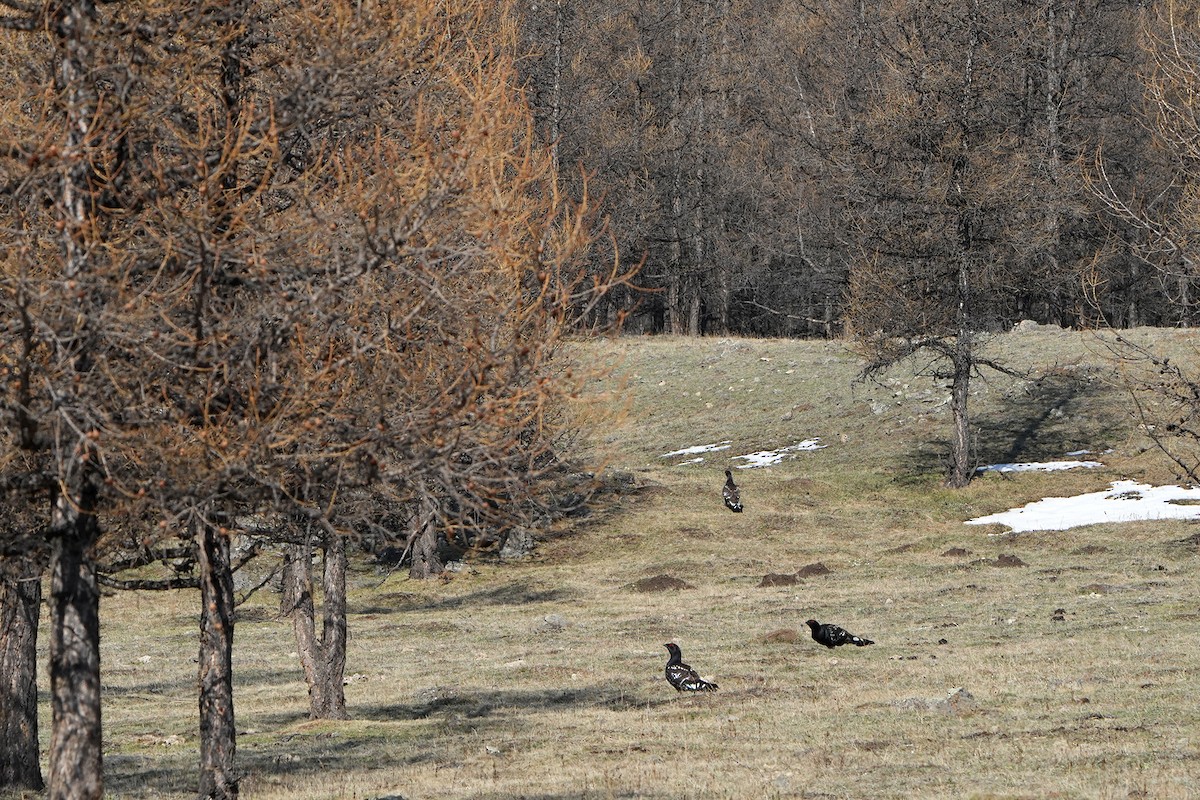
column 466, row 690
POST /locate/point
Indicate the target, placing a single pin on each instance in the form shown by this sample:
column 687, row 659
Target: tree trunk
column 322, row 659
column 677, row 321
column 76, row 771
column 693, row 318
column 962, row 355
column 218, row 735
column 423, row 543
column 330, row 701
column 962, row 467
column 20, row 604
column 556, row 99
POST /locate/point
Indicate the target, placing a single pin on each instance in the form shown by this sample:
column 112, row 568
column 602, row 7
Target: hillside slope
column 1043, row 664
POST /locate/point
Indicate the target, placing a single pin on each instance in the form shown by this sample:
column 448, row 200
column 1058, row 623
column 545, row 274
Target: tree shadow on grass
column 1060, row 414
column 328, row 748
column 478, row 704
column 1056, row 415
column 176, row 774
column 184, row 684
column 513, row 594
column 157, row 775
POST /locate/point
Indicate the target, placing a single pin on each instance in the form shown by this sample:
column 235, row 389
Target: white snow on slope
column 1124, row 501
column 1038, row 466
column 763, row 458
column 767, row 458
column 700, row 448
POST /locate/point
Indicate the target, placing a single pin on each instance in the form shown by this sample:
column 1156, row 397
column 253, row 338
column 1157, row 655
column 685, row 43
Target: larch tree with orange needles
column 259, row 275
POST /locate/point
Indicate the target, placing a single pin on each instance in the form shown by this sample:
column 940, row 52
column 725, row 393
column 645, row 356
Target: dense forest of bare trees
column 769, row 159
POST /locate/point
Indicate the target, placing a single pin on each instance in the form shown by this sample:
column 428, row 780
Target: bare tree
column 937, row 202
column 1164, row 388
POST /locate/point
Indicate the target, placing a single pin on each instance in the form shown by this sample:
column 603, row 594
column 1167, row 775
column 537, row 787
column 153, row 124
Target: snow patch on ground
column 700, row 448
column 1124, row 501
column 763, row 458
column 1039, row 466
column 767, row 458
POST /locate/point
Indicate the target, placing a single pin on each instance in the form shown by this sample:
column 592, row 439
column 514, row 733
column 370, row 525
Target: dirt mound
column 778, row 579
column 809, row 570
column 782, row 636
column 661, row 583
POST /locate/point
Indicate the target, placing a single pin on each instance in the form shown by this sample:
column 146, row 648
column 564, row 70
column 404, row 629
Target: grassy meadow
column 543, row 678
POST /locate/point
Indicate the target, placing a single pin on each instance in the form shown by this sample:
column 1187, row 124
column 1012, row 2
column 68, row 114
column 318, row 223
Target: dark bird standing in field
column 683, row 677
column 832, row 636
column 733, row 500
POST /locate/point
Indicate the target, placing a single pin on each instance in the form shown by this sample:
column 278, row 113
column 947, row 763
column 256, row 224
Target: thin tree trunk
column 20, row 604
column 962, row 356
column 1054, row 147
column 962, row 467
column 677, row 321
column 556, row 86
column 322, row 659
column 330, row 702
column 674, row 293
column 218, row 731
column 76, row 771
column 423, row 543
column 218, row 734
column 704, row 132
column 694, row 303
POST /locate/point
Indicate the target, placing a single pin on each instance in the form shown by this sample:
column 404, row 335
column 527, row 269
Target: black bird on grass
column 733, row 500
column 832, row 636
column 683, row 677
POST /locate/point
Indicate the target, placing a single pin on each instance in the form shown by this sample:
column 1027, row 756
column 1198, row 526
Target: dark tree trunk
column 75, row 757
column 323, row 659
column 962, row 467
column 329, row 702
column 218, row 732
column 423, row 543
column 962, row 354
column 75, row 762
column 218, row 735
column 20, row 604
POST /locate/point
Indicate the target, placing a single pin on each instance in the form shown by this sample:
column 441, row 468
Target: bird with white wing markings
column 832, row 636
column 683, row 677
column 733, row 498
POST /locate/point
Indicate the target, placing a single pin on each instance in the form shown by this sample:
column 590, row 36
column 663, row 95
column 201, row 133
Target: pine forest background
column 755, row 153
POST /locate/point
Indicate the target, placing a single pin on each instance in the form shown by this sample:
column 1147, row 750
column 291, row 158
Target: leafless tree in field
column 1165, row 390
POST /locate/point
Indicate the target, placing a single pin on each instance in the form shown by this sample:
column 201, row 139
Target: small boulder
column 555, row 622
column 518, row 543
